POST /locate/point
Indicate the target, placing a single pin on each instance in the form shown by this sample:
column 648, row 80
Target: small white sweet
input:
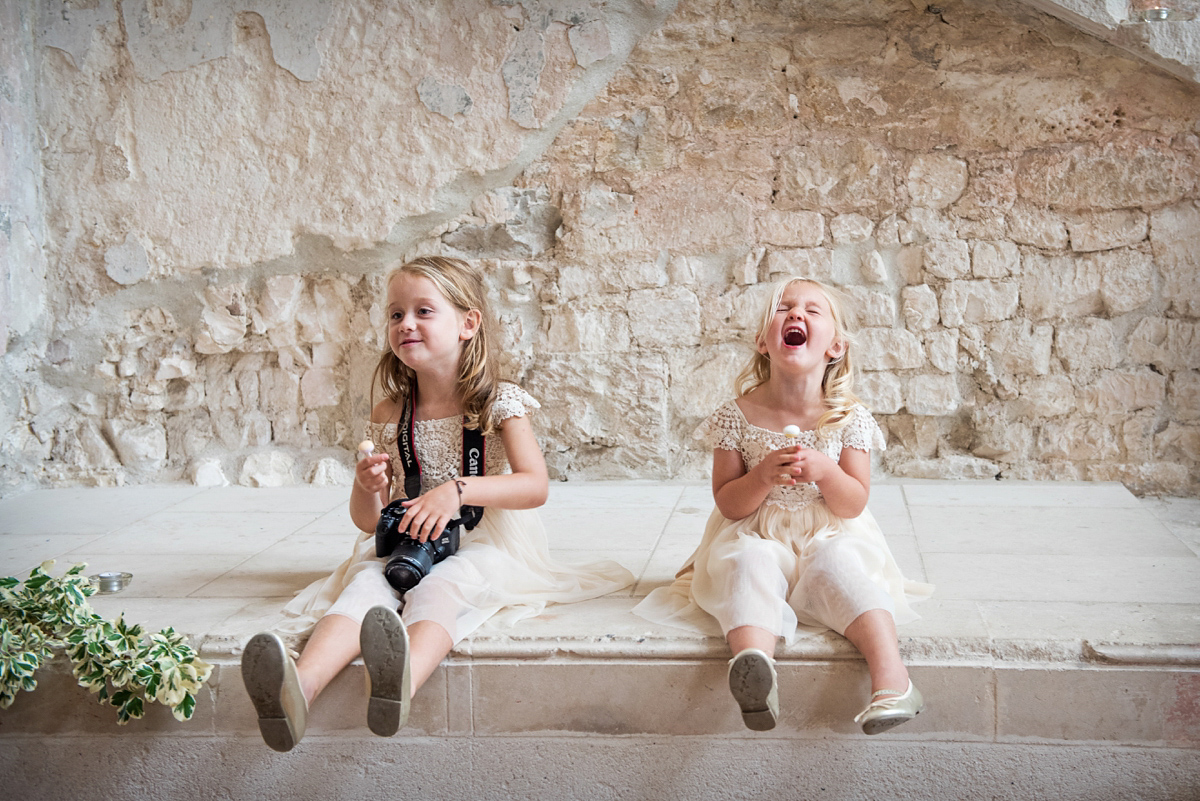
column 791, row 432
column 366, row 448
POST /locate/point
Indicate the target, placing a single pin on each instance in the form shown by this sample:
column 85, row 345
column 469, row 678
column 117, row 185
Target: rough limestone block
column 270, row 469
column 1038, row 227
column 1076, row 439
column 320, row 387
column 919, row 305
column 1018, row 347
column 1113, row 175
column 1178, row 442
column 932, row 395
column 920, row 225
column 589, row 42
column 947, row 258
column 1120, row 392
column 1168, row 345
column 331, row 472
column 1116, row 282
column 1046, row 396
column 850, row 228
column 841, row 176
column 873, row 309
column 701, row 379
column 796, row 229
column 978, row 301
column 999, row 439
column 576, row 329
column 1089, row 344
column 946, row 465
column 889, row 349
column 140, row 447
column 1175, row 237
column 816, row 263
column 942, row 347
column 1105, row 230
column 1184, row 395
column 936, row 181
column 881, row 392
column 651, row 325
column 874, row 269
column 995, row 259
column 207, row 473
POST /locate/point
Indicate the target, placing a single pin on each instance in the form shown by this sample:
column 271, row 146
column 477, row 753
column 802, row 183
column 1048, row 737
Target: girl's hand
column 428, row 514
column 371, row 473
column 814, row 466
column 779, row 468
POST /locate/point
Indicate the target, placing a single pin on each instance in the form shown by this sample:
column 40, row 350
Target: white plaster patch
column 127, row 263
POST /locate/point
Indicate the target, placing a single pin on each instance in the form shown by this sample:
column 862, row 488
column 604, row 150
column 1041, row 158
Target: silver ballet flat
column 886, row 713
column 754, row 685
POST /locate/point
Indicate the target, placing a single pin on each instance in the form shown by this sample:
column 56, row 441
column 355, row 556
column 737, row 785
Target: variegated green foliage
column 122, row 663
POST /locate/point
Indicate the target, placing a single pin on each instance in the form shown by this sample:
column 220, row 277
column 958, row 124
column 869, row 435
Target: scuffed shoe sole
column 752, row 683
column 384, row 643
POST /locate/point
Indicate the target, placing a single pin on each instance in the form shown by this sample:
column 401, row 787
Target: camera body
column 409, row 559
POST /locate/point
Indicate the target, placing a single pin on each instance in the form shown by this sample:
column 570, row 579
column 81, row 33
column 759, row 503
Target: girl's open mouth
column 794, row 337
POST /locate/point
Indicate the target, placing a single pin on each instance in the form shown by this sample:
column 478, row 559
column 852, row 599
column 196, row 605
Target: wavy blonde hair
column 478, row 380
column 838, row 381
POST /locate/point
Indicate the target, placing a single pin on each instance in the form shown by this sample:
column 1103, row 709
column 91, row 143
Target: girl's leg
column 429, row 644
column 874, row 635
column 332, row 646
column 744, row 637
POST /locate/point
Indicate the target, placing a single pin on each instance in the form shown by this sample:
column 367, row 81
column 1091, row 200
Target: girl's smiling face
column 802, row 331
column 425, row 330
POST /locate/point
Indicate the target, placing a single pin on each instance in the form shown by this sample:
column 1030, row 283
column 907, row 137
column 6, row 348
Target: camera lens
column 410, row 562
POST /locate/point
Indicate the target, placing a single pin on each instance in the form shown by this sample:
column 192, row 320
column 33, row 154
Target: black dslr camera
column 409, row 559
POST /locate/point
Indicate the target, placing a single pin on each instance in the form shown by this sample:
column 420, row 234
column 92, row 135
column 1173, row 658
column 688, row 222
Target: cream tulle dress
column 792, row 567
column 502, row 572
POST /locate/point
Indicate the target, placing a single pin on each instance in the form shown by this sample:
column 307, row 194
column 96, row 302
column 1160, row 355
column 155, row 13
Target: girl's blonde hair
column 463, row 287
column 838, row 381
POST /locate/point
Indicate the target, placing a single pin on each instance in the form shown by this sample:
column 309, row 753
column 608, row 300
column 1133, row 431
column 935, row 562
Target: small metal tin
column 109, row 583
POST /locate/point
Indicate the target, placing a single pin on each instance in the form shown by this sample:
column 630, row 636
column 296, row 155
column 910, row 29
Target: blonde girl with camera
column 441, row 338
column 791, row 546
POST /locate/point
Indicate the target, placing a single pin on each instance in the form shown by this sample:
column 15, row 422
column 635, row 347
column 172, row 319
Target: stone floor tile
column 613, row 494
column 20, row 553
column 908, row 557
column 1130, row 531
column 1114, row 579
column 87, row 510
column 1181, row 516
column 1018, row 493
column 335, row 521
column 300, row 498
column 174, row 532
column 622, row 528
column 1140, row 623
column 158, row 575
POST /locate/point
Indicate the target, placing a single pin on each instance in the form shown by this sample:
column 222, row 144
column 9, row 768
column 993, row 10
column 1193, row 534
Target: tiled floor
column 1051, row 564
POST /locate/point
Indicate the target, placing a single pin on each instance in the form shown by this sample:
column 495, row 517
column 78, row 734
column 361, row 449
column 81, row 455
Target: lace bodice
column 728, row 429
column 439, row 442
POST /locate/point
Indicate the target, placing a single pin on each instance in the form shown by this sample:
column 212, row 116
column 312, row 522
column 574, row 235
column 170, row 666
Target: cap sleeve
column 723, row 428
column 862, row 432
column 512, row 401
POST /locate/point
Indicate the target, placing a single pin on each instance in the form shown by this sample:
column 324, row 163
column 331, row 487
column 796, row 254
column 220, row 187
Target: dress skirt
column 793, row 572
column 502, row 573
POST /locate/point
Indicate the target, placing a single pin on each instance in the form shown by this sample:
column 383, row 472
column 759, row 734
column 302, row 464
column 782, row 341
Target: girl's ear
column 470, row 325
column 760, row 345
column 837, row 350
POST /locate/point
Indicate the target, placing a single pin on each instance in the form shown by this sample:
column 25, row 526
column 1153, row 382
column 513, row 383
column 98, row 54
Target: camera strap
column 473, row 453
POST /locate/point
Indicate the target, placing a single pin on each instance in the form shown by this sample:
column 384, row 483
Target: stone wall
column 1011, row 204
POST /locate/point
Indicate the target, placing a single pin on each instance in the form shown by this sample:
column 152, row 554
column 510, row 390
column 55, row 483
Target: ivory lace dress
column 502, row 571
column 792, row 567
